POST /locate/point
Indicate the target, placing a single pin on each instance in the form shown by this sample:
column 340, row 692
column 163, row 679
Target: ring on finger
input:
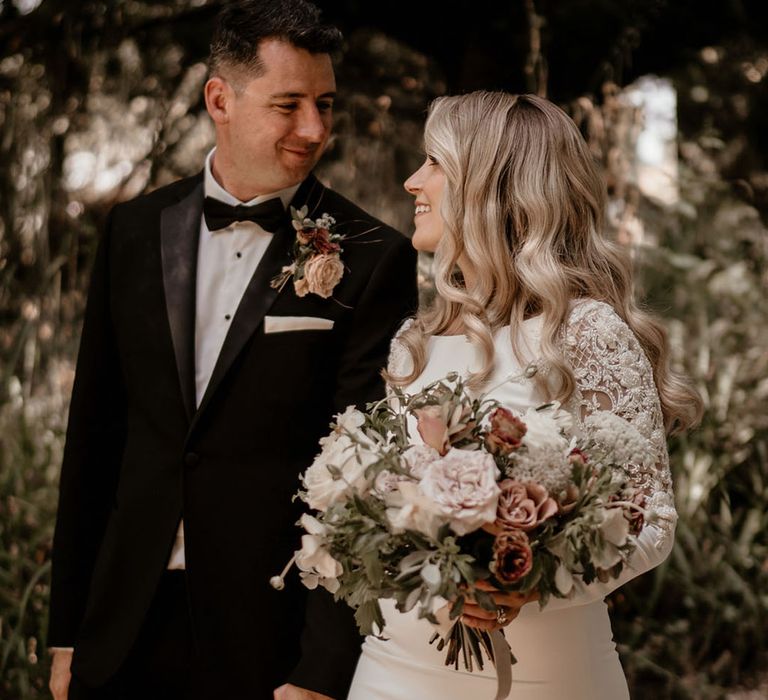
column 501, row 615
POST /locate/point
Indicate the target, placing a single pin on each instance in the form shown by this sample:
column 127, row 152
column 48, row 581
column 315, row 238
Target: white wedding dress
column 565, row 651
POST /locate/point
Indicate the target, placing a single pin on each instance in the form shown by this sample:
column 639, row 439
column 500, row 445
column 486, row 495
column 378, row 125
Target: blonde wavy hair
column 523, row 208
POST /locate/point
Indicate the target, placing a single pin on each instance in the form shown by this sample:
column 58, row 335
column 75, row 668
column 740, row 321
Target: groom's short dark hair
column 241, row 26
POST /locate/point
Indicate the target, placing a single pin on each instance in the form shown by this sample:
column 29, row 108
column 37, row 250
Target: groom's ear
column 218, row 94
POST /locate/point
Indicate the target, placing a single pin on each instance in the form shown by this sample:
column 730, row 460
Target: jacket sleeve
column 92, row 454
column 330, row 642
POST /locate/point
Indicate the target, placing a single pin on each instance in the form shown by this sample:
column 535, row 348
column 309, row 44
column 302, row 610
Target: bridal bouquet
column 424, row 495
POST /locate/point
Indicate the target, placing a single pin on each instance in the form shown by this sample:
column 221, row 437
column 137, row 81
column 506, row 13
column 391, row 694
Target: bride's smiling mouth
column 422, row 208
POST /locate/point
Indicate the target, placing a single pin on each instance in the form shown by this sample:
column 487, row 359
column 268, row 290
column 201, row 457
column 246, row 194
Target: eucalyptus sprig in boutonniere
column 316, row 266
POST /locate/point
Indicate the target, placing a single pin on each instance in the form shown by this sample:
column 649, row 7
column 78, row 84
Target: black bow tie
column 218, row 215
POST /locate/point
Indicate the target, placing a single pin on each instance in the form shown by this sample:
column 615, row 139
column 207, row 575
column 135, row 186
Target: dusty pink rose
column 524, row 505
column 506, row 432
column 301, row 287
column 433, row 427
column 512, row 556
column 462, row 486
column 323, row 273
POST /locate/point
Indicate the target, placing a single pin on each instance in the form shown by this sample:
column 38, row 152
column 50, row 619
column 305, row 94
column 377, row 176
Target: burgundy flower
column 524, row 506
column 577, row 456
column 506, row 432
column 321, row 242
column 512, row 556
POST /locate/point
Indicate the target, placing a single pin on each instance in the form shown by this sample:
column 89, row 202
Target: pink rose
column 512, row 556
column 524, row 506
column 301, row 287
column 462, row 486
column 433, row 427
column 506, row 432
column 322, row 273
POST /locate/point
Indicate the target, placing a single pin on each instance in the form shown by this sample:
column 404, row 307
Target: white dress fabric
column 565, row 650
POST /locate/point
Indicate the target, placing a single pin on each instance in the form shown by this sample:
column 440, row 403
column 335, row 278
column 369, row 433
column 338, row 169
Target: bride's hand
column 508, row 605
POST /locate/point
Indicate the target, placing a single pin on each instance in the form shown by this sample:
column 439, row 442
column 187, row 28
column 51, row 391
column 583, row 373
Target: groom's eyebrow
column 295, row 95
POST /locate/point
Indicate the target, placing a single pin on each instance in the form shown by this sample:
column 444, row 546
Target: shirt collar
column 213, row 189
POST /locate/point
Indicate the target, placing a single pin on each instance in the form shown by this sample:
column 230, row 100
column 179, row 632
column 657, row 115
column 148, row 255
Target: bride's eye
column 432, row 160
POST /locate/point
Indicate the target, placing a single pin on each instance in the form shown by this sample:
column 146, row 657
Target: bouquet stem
column 470, row 643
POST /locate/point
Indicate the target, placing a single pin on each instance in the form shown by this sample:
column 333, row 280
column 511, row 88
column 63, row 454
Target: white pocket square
column 280, row 324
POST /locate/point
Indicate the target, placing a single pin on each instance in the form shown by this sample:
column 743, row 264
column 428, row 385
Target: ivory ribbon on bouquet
column 503, row 662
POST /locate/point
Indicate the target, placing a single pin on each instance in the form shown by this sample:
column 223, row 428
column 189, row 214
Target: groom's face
column 278, row 123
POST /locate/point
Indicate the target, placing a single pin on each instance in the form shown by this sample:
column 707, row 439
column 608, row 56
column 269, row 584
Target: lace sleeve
column 614, row 374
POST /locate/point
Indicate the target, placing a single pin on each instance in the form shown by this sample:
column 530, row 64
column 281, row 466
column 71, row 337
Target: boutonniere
column 316, row 266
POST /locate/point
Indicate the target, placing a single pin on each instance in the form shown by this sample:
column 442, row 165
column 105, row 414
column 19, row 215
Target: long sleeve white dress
column 566, row 650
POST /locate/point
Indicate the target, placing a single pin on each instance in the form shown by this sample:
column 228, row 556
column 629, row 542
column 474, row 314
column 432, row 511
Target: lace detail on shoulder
column 614, row 374
column 399, row 361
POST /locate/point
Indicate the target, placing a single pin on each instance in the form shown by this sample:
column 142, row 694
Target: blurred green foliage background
column 101, row 101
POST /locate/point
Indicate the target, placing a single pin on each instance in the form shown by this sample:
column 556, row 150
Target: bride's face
column 426, row 185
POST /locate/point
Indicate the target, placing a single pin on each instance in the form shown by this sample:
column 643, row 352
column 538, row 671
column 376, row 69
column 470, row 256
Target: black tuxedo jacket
column 139, row 455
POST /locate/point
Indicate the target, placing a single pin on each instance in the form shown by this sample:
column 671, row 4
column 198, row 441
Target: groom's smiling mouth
column 301, row 152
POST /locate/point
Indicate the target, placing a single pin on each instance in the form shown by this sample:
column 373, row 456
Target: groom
column 202, row 390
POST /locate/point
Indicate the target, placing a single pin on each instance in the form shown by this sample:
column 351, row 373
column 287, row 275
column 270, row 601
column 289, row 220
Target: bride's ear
column 217, row 97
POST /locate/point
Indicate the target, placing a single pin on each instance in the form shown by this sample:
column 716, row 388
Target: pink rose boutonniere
column 316, row 266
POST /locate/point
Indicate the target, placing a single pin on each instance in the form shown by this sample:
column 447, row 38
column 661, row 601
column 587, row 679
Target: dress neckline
column 503, row 328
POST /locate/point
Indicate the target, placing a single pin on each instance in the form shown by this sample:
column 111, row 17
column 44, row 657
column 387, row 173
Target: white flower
column 624, row 444
column 463, row 485
column 351, row 420
column 606, row 557
column 314, row 560
column 563, row 579
column 543, row 457
column 337, row 471
column 418, row 458
column 412, row 510
column 546, row 425
column 615, row 527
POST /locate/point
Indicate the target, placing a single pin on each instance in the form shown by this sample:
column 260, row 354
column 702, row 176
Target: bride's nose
column 411, row 185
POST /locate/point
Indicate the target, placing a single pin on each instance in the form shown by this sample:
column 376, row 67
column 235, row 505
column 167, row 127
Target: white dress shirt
column 226, row 261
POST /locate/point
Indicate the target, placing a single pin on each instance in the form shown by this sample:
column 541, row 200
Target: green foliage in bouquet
column 424, row 495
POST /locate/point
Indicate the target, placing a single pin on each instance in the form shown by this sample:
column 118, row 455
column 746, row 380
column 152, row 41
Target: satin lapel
column 179, row 238
column 259, row 295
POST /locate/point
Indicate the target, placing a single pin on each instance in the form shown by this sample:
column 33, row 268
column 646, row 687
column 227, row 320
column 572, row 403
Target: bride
column 509, row 196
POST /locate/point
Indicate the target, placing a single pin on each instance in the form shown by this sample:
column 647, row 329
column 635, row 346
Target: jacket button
column 191, row 459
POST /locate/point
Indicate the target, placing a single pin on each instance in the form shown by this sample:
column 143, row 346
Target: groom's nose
column 311, row 126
